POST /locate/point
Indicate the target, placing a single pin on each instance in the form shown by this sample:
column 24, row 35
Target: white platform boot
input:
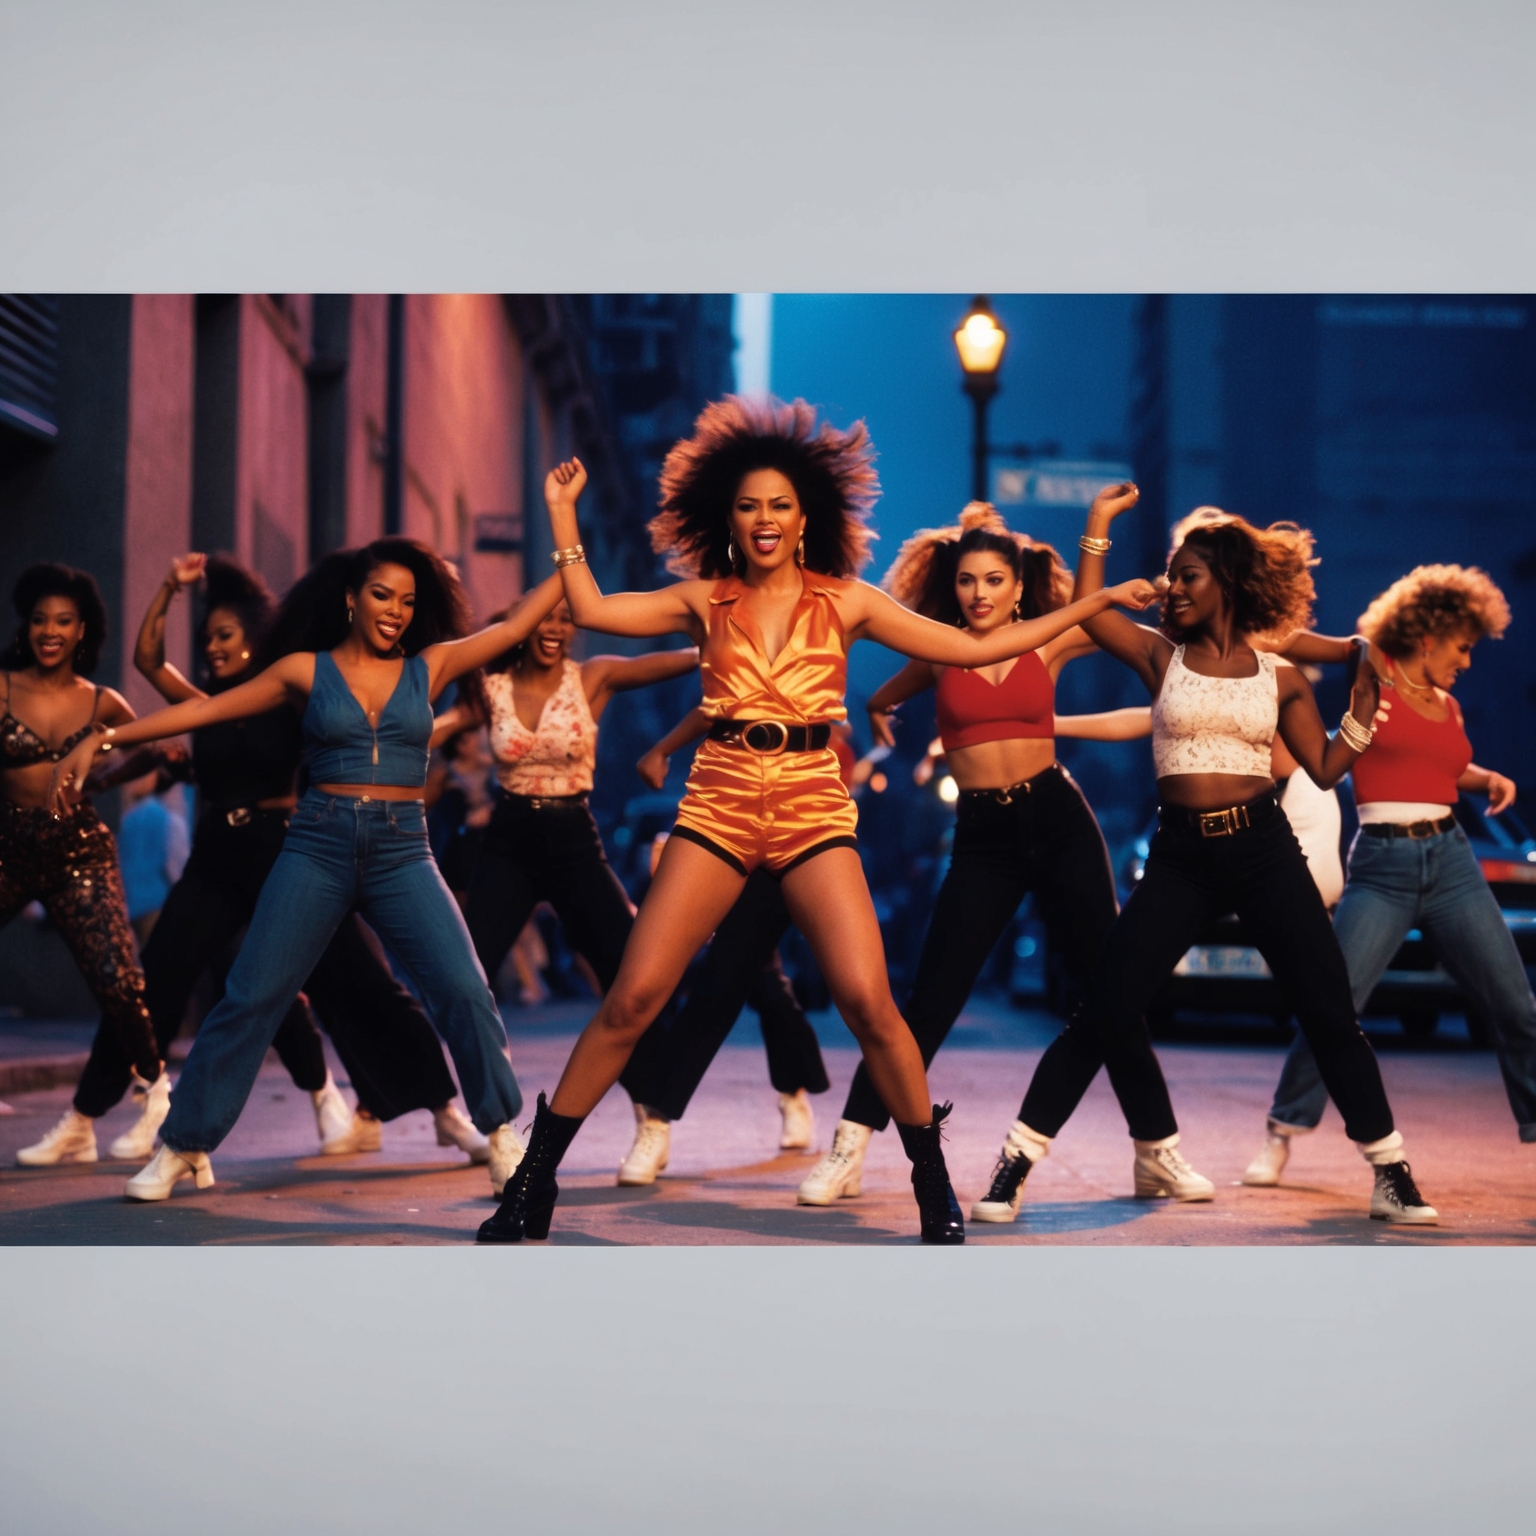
column 1395, row 1196
column 72, row 1140
column 1266, row 1168
column 1160, row 1171
column 166, row 1170
column 649, row 1151
column 138, row 1141
column 455, row 1129
column 840, row 1174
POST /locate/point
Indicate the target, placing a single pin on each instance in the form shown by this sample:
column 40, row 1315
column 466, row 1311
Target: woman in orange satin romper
column 765, row 509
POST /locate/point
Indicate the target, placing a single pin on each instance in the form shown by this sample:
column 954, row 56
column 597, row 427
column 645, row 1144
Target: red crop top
column 971, row 710
column 1413, row 759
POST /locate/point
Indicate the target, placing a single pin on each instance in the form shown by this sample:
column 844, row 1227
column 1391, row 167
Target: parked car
column 1223, row 973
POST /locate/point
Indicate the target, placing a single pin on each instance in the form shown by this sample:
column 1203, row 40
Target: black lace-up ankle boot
column 936, row 1203
column 528, row 1201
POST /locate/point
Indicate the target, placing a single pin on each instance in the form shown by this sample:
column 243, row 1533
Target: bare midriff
column 371, row 791
column 27, row 787
column 1210, row 791
column 997, row 764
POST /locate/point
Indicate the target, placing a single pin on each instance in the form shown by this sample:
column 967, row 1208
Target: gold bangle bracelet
column 1092, row 546
column 575, row 555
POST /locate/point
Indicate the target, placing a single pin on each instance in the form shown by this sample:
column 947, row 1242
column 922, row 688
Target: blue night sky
column 890, row 359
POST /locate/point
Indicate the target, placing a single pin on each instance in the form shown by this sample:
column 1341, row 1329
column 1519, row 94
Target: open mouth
column 980, row 610
column 766, row 540
column 388, row 630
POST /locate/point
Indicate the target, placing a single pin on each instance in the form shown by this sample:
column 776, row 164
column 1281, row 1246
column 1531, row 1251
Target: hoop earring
column 730, row 551
column 800, row 551
column 1016, row 614
column 350, row 614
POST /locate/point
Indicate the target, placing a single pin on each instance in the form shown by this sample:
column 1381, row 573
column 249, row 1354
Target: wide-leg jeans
column 1433, row 884
column 342, row 853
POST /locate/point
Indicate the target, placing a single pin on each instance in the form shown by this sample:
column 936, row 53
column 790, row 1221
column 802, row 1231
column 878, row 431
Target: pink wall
column 158, row 476
column 463, row 433
column 367, row 386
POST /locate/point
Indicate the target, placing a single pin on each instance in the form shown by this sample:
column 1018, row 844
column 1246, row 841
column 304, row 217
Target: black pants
column 550, row 850
column 383, row 1038
column 1044, row 840
column 1261, row 874
column 740, row 968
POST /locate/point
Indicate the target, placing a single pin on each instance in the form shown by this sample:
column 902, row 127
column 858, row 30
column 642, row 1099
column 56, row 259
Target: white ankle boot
column 799, row 1131
column 456, row 1129
column 840, row 1174
column 72, row 1140
column 162, row 1175
column 138, row 1141
column 504, row 1151
column 1266, row 1168
column 363, row 1134
column 1395, row 1196
column 1160, row 1170
column 333, row 1115
column 649, row 1151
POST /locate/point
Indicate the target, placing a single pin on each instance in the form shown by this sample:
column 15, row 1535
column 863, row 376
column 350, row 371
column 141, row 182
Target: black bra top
column 21, row 746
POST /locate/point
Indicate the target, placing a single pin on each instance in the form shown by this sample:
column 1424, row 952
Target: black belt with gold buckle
column 1222, row 823
column 1414, row 829
column 1009, row 792
column 771, row 738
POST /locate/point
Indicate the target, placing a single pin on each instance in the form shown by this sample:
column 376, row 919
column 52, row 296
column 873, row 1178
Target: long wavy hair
column 52, row 580
column 1433, row 601
column 922, row 577
column 832, row 472
column 313, row 613
column 1265, row 573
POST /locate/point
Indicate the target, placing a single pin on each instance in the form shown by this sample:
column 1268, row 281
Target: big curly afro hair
column 832, row 472
column 1433, row 601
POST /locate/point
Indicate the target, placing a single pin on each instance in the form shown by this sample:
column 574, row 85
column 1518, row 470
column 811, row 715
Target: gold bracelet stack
column 1092, row 546
column 575, row 555
column 1355, row 735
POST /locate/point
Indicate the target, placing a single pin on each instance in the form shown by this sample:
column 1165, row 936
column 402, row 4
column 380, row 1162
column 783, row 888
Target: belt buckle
column 1419, row 830
column 239, row 817
column 1216, row 823
column 776, row 747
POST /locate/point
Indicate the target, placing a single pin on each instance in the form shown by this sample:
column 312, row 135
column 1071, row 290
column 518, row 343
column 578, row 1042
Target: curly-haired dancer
column 1222, row 843
column 54, row 848
column 765, row 507
column 1411, row 865
column 380, row 622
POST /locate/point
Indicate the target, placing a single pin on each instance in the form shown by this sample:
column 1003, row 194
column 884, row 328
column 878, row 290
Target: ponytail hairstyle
column 1266, row 573
column 923, row 575
column 51, row 580
column 313, row 614
column 832, row 472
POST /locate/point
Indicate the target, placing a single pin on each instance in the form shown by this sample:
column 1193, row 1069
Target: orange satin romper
column 753, row 809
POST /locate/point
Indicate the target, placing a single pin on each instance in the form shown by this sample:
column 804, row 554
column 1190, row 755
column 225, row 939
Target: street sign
column 1063, row 484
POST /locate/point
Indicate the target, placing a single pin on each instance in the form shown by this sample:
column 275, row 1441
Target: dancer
column 541, row 843
column 1021, row 825
column 54, row 848
column 767, row 507
column 1411, row 865
column 379, row 622
column 245, row 770
column 1222, row 844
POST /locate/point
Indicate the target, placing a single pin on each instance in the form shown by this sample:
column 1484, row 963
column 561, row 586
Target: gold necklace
column 1407, row 681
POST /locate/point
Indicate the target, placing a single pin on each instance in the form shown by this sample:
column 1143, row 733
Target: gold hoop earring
column 350, row 613
column 800, row 551
column 1016, row 614
column 730, row 552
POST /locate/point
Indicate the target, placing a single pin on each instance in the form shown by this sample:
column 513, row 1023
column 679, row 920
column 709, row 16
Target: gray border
column 815, row 146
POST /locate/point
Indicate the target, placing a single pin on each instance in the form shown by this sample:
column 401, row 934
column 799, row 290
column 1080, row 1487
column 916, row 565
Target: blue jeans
column 1432, row 884
column 341, row 854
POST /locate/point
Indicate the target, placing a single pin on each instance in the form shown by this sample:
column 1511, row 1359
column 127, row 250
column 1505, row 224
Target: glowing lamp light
column 878, row 782
column 980, row 340
column 949, row 791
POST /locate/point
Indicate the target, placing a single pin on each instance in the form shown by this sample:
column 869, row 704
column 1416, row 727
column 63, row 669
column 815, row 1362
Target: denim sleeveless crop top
column 342, row 748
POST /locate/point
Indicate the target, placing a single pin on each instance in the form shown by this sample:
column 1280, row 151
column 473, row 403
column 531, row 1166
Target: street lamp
column 980, row 341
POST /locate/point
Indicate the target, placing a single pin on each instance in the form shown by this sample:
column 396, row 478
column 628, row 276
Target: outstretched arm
column 1326, row 759
column 449, row 659
column 1107, row 725
column 149, row 650
column 914, row 678
column 653, row 766
column 1305, row 647
column 882, row 618
column 604, row 676
column 640, row 614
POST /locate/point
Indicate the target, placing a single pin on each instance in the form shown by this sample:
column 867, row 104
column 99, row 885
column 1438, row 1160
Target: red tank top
column 1413, row 758
column 972, row 710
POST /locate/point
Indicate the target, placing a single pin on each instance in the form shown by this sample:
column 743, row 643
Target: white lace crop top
column 557, row 758
column 1215, row 724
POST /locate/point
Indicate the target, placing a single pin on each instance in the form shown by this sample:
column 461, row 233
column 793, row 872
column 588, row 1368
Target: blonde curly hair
column 1433, row 601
